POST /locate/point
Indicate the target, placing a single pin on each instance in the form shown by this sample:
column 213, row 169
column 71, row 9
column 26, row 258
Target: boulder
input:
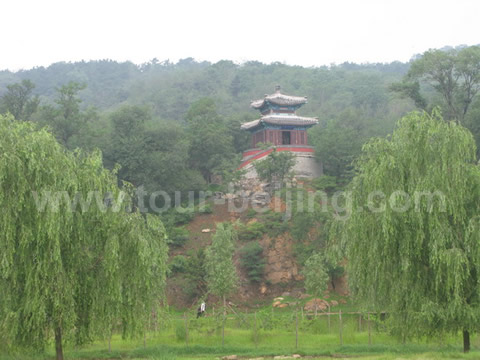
column 321, row 305
column 277, row 303
column 278, row 299
column 282, row 306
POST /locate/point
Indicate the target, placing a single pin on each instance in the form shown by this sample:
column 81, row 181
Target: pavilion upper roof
column 280, row 99
column 280, row 119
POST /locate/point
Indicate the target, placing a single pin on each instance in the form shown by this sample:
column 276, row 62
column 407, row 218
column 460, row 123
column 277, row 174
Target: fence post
column 296, row 327
column 369, row 331
column 255, row 329
column 340, row 326
column 186, row 328
column 329, row 330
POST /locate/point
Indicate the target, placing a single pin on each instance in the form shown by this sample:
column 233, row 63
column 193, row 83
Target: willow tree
column 413, row 239
column 221, row 274
column 72, row 262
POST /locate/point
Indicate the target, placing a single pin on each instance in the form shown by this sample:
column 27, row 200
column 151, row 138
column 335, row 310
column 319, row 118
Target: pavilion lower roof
column 275, row 119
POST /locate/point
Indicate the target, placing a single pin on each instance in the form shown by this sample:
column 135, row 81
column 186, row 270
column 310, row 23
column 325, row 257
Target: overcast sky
column 296, row 32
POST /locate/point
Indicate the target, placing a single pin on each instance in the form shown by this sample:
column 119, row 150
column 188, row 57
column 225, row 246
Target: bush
column 325, row 183
column 250, row 232
column 251, row 213
column 206, row 209
column 275, row 224
column 301, row 225
column 185, row 216
column 178, row 264
column 252, row 260
column 178, row 236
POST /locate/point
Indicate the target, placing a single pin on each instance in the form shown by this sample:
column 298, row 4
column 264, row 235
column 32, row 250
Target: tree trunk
column 58, row 343
column 223, row 322
column 466, row 341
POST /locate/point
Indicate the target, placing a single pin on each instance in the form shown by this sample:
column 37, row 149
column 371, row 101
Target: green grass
column 315, row 340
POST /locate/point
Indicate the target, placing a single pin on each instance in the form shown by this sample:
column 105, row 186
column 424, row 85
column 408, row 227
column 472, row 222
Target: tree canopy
column 413, row 239
column 73, row 262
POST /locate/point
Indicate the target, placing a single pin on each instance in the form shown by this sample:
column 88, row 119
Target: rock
column 263, row 289
column 277, row 303
column 206, row 230
column 278, row 299
column 282, row 306
column 230, row 357
column 333, row 303
column 296, row 356
column 321, row 305
column 259, row 358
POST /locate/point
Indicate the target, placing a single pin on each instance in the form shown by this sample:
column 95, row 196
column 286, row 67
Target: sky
column 296, row 32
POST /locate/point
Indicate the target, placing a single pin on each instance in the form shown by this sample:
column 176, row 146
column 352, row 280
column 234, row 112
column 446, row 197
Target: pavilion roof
column 280, row 99
column 276, row 119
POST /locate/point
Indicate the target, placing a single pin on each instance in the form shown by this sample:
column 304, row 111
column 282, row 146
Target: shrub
column 178, row 236
column 250, row 232
column 275, row 224
column 206, row 209
column 301, row 225
column 325, row 183
column 252, row 260
column 178, row 264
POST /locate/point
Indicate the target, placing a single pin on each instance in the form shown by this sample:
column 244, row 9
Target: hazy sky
column 309, row 33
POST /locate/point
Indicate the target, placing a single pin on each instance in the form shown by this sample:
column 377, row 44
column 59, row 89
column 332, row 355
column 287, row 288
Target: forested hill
column 172, row 126
column 171, row 88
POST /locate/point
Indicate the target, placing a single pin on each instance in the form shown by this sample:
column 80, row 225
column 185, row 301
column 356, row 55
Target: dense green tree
column 252, row 260
column 276, row 166
column 220, row 270
column 128, row 143
column 413, row 239
column 210, row 141
column 452, row 73
column 69, row 123
column 19, row 100
column 316, row 277
column 73, row 263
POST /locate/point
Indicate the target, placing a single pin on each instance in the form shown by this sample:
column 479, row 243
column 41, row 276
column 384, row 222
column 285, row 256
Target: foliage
column 196, row 274
column 18, row 100
column 276, row 166
column 251, row 256
column 210, row 142
column 69, row 123
column 316, row 277
column 275, row 223
column 221, row 274
column 414, row 252
column 325, row 183
column 178, row 264
column 246, row 232
column 453, row 73
column 301, row 225
column 70, row 267
column 178, row 236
